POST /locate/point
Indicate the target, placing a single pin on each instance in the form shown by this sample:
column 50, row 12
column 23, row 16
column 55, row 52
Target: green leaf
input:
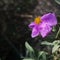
column 57, row 1
column 55, row 48
column 46, row 43
column 28, row 47
column 28, row 59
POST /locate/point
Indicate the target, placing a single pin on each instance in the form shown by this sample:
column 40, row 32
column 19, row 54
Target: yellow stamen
column 37, row 20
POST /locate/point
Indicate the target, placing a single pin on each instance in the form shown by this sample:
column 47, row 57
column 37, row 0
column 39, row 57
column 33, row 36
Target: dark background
column 14, row 29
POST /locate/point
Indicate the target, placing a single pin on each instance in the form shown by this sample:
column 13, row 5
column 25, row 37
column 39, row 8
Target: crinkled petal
column 50, row 19
column 45, row 29
column 35, row 32
column 32, row 25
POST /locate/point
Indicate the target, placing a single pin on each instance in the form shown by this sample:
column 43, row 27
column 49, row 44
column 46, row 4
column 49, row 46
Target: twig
column 25, row 15
column 58, row 23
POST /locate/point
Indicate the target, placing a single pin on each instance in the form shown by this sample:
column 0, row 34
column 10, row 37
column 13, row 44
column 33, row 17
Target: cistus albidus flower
column 43, row 25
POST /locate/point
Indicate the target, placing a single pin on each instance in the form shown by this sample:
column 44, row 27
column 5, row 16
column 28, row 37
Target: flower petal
column 45, row 29
column 35, row 32
column 31, row 25
column 50, row 19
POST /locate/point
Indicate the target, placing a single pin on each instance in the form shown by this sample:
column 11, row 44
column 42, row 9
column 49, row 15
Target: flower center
column 38, row 20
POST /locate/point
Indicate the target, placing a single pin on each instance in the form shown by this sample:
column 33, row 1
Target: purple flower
column 43, row 25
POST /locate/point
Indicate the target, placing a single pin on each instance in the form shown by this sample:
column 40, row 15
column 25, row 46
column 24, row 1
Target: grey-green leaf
column 56, row 42
column 28, row 59
column 57, row 1
column 41, row 53
column 28, row 47
column 55, row 48
column 46, row 43
column 44, row 56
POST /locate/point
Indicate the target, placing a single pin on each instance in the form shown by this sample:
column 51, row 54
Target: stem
column 25, row 15
column 57, row 33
